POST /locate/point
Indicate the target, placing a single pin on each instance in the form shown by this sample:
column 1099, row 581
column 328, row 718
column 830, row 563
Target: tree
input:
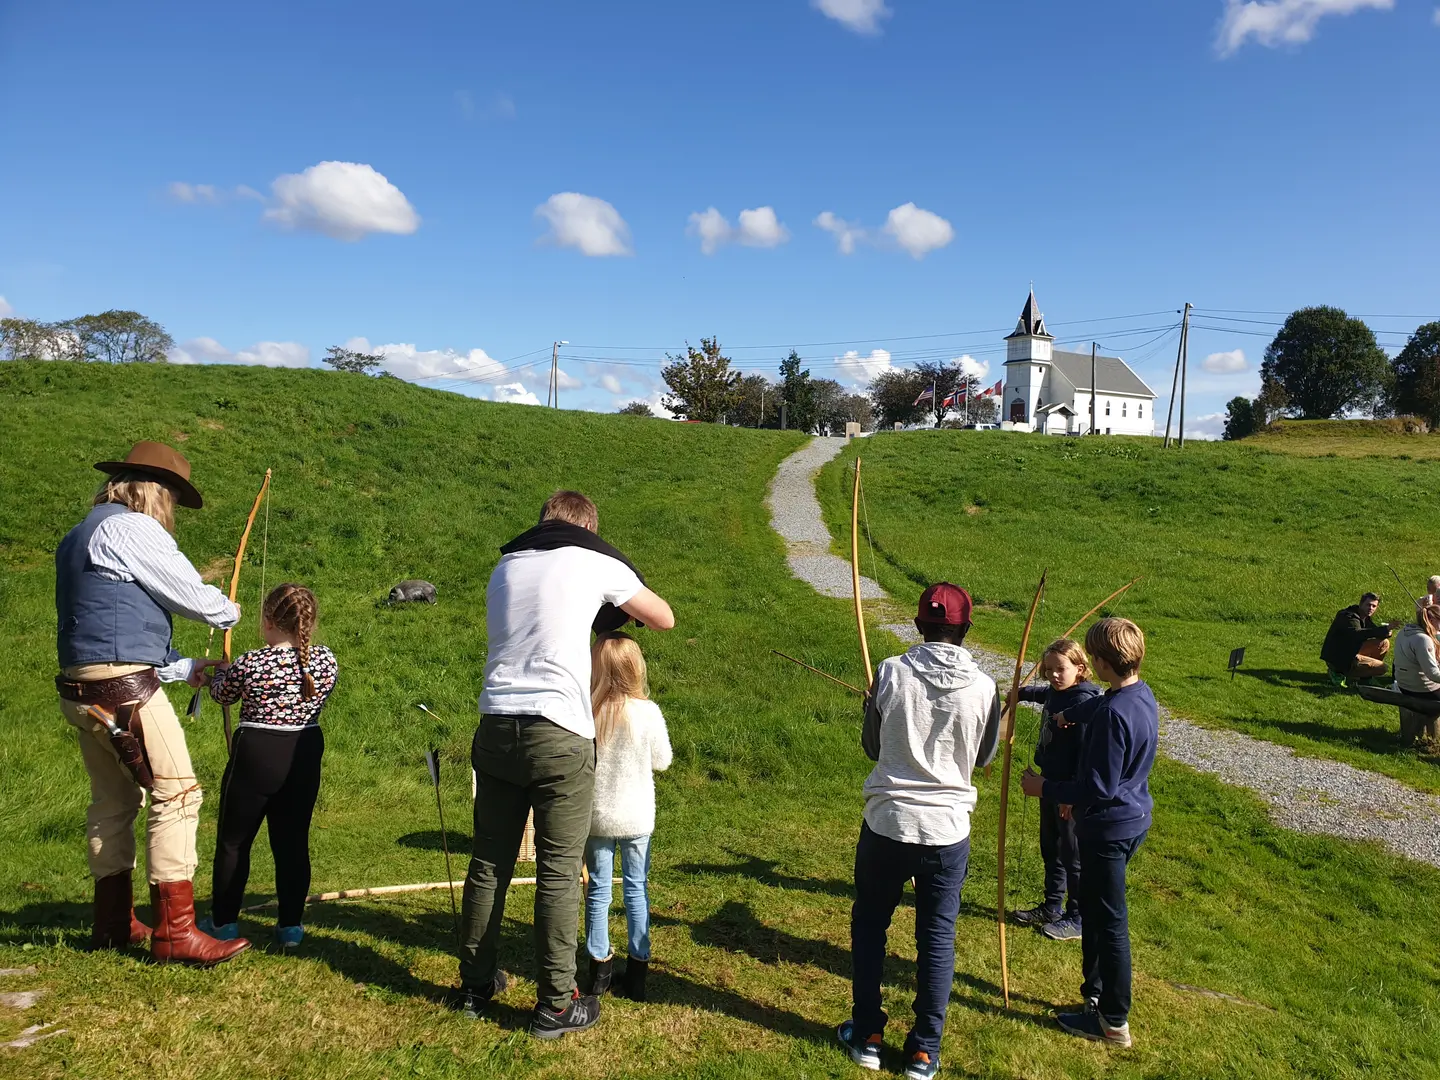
column 984, row 409
column 636, row 408
column 1272, row 402
column 31, row 339
column 702, row 386
column 1417, row 376
column 361, row 363
column 1327, row 363
column 1242, row 418
column 893, row 394
column 798, row 394
column 121, row 337
column 757, row 403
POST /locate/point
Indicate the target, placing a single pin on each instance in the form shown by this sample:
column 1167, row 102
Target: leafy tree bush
column 1242, row 418
column 1417, row 375
column 702, row 386
column 1327, row 363
column 361, row 363
column 636, row 408
column 112, row 337
column 757, row 403
column 798, row 393
column 893, row 394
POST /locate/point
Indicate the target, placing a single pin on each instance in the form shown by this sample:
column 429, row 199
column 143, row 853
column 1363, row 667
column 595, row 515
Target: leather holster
column 116, row 703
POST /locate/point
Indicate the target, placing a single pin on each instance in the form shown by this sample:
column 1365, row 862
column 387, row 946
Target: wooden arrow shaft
column 235, row 585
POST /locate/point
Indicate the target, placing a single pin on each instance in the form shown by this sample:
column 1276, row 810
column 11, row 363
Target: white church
column 1048, row 390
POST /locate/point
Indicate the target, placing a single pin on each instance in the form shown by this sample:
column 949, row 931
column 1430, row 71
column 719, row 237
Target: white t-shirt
column 538, row 610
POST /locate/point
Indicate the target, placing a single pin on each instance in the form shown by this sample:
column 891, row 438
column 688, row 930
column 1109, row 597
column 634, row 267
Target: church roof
column 1112, row 375
column 1032, row 323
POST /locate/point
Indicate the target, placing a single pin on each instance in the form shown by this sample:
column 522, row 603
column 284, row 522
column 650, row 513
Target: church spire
column 1032, row 323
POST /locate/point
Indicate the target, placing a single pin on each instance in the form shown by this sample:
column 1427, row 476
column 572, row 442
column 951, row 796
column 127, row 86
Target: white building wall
column 1126, row 415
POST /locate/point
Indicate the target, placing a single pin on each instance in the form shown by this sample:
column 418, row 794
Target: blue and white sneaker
column 921, row 1066
column 1091, row 1025
column 1062, row 929
column 866, row 1054
column 224, row 932
column 287, row 937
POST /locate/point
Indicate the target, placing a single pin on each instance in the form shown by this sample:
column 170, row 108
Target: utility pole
column 1184, row 365
column 762, row 405
column 1094, row 348
column 552, row 395
column 1175, row 382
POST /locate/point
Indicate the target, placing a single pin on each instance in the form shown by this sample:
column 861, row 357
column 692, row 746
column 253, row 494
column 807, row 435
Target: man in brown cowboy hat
column 118, row 580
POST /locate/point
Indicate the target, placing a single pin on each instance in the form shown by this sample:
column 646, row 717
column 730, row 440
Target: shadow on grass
column 1376, row 740
column 47, row 922
column 1316, row 683
column 767, row 872
column 429, row 840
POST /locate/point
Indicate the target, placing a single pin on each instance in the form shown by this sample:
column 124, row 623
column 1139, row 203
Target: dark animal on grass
column 411, row 591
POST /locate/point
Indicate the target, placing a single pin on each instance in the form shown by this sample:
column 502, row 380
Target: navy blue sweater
column 1111, row 790
column 1057, row 753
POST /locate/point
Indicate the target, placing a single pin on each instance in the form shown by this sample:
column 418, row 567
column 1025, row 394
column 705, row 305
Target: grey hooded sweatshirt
column 937, row 717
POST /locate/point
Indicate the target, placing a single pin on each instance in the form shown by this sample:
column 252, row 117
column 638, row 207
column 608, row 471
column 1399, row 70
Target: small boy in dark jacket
column 1111, row 799
column 1057, row 757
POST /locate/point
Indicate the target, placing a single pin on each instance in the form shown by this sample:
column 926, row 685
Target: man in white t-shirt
column 535, row 747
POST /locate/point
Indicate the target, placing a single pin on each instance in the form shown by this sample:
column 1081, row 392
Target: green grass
column 378, row 480
column 1236, row 546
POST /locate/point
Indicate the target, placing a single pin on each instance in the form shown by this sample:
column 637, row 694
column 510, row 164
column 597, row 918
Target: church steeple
column 1032, row 323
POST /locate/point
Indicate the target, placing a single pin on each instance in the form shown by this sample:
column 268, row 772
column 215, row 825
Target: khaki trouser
column 115, row 798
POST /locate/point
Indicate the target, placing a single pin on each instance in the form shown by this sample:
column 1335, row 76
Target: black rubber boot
column 634, row 979
column 602, row 974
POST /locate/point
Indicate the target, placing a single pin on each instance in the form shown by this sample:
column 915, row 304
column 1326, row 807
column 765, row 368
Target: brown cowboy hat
column 162, row 462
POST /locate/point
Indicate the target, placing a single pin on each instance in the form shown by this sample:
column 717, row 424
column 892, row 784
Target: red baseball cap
column 945, row 604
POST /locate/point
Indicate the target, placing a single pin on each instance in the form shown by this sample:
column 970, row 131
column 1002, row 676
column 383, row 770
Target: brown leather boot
column 176, row 938
column 116, row 926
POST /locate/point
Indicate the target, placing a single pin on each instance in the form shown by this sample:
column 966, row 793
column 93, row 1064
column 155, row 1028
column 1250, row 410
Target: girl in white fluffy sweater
column 631, row 744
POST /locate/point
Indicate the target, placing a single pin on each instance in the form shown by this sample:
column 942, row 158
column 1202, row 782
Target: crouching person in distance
column 932, row 719
column 118, row 580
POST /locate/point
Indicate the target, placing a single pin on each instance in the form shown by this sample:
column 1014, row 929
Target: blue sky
column 465, row 183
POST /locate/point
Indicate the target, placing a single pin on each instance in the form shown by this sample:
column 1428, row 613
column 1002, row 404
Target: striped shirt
column 136, row 547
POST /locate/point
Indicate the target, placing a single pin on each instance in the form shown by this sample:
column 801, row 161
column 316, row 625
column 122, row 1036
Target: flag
column 996, row 390
column 928, row 394
column 949, row 401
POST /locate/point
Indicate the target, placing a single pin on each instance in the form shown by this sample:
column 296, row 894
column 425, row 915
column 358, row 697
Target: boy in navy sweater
column 1112, row 806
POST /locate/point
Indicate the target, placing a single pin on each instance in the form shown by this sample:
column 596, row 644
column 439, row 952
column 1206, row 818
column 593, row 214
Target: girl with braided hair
column 274, row 769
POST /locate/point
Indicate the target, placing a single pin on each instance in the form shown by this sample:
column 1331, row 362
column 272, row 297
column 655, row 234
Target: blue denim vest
column 100, row 621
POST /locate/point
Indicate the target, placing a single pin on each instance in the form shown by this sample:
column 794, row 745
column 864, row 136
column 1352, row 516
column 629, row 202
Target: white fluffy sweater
column 624, row 768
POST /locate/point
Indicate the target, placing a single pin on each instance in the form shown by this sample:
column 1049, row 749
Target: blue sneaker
column 921, row 1066
column 287, row 937
column 224, row 932
column 1062, row 929
column 866, row 1054
column 1040, row 915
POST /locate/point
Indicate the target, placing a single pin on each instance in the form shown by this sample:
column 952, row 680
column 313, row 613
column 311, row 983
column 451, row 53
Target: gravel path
column 1308, row 794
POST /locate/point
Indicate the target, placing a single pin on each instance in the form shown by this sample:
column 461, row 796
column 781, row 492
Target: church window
column 1107, row 407
column 1140, row 410
column 1124, row 408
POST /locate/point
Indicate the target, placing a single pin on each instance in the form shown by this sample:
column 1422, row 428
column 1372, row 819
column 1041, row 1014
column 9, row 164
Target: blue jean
column 634, row 870
column 882, row 866
column 1105, row 925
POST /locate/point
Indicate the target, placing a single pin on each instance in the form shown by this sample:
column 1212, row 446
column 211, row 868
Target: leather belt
column 138, row 687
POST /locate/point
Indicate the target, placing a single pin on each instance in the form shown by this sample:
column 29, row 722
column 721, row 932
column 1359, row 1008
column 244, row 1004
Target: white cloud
column 1282, row 22
column 408, row 362
column 1437, row 16
column 712, row 229
column 341, row 199
column 193, row 193
column 206, row 350
column 1225, row 363
column 758, row 228
column 1206, row 428
column 590, row 225
column 516, row 394
column 761, row 228
column 856, row 370
column 567, row 382
column 5, row 309
column 846, row 233
column 976, row 369
column 918, row 231
column 862, row 16
column 610, row 384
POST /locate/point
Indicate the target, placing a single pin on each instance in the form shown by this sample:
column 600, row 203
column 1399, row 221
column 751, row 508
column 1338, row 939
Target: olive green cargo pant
column 525, row 762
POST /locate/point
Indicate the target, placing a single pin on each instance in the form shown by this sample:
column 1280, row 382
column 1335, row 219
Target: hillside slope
column 377, row 480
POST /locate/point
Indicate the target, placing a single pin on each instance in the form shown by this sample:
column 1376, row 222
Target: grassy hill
column 378, row 480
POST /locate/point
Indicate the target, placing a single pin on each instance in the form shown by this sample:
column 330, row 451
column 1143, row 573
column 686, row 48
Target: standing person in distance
column 119, row 578
column 274, row 770
column 1111, row 799
column 631, row 745
column 931, row 719
column 1057, row 756
column 535, row 747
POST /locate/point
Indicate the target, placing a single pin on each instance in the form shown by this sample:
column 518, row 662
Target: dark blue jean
column 882, row 867
column 1105, row 925
column 1060, row 852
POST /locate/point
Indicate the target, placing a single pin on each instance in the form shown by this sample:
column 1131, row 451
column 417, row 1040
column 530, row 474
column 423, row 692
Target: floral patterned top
column 266, row 682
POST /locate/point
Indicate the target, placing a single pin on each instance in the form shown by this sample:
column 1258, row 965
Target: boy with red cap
column 932, row 718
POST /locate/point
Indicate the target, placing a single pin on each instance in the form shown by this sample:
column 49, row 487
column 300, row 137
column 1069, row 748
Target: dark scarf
column 553, row 535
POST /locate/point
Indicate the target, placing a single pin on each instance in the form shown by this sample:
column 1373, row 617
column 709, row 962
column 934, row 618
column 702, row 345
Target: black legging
column 274, row 776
